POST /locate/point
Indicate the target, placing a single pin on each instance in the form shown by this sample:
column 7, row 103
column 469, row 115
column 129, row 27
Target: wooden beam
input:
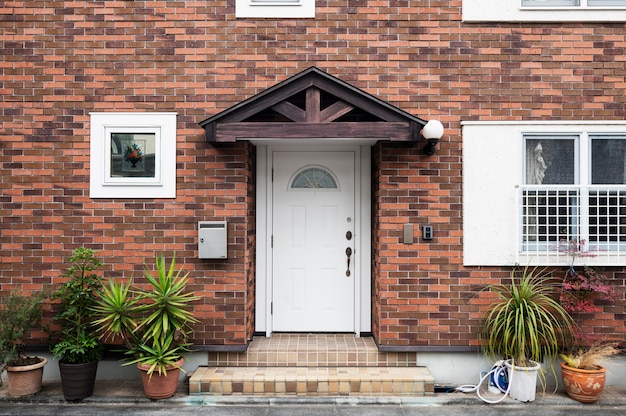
column 292, row 112
column 334, row 111
column 394, row 131
column 313, row 100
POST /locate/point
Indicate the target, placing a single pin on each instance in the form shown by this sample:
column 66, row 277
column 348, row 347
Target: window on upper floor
column 531, row 188
column 544, row 10
column 572, row 3
column 274, row 8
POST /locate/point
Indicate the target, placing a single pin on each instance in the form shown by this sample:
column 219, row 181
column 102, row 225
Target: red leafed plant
column 580, row 290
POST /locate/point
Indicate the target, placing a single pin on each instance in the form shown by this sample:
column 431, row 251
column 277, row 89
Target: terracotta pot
column 159, row 386
column 583, row 385
column 78, row 380
column 25, row 380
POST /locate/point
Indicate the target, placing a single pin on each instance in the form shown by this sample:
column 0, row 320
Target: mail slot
column 212, row 240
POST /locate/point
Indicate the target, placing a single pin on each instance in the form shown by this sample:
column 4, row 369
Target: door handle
column 348, row 253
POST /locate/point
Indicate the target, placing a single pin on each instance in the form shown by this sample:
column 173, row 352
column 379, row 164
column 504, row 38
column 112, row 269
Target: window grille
column 553, row 214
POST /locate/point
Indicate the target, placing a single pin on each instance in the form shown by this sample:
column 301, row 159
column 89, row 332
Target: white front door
column 313, row 251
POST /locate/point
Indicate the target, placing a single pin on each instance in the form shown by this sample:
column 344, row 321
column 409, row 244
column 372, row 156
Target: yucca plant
column 153, row 321
column 526, row 323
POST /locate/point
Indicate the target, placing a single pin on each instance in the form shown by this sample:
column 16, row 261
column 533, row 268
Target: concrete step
column 311, row 350
column 312, row 381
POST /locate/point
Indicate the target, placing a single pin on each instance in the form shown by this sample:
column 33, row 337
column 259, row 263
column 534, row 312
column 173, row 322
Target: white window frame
column 493, row 171
column 572, row 3
column 513, row 11
column 103, row 184
column 274, row 8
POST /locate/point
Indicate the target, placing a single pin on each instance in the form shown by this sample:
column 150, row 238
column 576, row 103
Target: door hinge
column 271, row 308
column 272, row 174
column 272, row 241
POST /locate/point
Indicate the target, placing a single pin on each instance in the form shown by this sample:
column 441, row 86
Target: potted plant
column 18, row 314
column 525, row 326
column 153, row 322
column 583, row 375
column 78, row 347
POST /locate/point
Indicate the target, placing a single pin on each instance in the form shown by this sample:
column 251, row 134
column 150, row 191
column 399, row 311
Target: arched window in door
column 313, row 178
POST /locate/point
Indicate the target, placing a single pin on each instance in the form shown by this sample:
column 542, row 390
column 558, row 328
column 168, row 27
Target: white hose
column 495, row 370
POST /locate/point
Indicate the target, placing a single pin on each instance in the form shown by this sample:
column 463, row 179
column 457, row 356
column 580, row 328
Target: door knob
column 348, row 253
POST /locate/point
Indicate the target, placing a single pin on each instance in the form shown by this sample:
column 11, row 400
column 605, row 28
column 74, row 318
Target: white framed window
column 544, row 10
column 530, row 188
column 133, row 155
column 274, row 8
column 575, row 190
column 573, row 3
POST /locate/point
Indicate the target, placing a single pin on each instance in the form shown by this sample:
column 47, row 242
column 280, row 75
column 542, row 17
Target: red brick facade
column 62, row 60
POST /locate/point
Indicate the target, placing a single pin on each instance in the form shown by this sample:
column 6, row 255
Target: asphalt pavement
column 125, row 397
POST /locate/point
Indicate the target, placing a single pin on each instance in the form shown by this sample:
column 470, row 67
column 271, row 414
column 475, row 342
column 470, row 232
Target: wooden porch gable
column 312, row 104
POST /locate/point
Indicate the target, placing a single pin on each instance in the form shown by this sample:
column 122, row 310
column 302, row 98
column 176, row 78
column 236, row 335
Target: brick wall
column 62, row 60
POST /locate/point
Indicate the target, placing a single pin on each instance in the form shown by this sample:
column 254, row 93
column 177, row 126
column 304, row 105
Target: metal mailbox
column 212, row 240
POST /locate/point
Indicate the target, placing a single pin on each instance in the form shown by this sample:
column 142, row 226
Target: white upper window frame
column 274, row 9
column 102, row 184
column 493, row 170
column 513, row 11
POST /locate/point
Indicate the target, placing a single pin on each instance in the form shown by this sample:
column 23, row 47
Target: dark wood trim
column 292, row 112
column 313, row 99
column 418, row 348
column 394, row 131
column 223, row 127
column 220, row 348
column 334, row 111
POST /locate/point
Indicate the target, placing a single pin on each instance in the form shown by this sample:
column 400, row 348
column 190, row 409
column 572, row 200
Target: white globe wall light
column 432, row 132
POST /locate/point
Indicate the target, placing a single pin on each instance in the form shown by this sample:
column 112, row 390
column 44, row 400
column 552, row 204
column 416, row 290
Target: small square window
column 133, row 155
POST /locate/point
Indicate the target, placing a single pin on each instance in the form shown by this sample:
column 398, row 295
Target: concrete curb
column 125, row 393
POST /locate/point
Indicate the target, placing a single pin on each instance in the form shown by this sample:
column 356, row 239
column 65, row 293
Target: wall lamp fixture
column 432, row 132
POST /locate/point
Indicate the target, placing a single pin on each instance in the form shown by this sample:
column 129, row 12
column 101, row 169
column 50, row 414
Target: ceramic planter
column 78, row 380
column 583, row 385
column 159, row 386
column 25, row 380
column 523, row 381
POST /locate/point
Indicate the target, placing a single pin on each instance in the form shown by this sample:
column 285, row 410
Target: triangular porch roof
column 312, row 104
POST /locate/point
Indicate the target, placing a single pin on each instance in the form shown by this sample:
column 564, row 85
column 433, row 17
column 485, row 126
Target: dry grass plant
column 592, row 357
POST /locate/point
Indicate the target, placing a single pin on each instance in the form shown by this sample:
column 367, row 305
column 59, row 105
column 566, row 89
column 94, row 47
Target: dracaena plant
column 525, row 323
column 152, row 321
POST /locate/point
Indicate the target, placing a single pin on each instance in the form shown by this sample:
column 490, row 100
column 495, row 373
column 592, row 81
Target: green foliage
column 526, row 323
column 18, row 314
column 78, row 341
column 152, row 322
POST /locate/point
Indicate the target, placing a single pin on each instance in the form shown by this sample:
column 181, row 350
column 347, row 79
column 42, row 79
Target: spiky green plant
column 152, row 321
column 526, row 323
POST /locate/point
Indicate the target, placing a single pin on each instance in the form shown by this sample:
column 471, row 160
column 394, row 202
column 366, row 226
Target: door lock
column 348, row 235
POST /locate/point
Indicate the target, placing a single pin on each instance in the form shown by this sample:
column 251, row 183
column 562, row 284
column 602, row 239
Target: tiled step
column 312, row 350
column 310, row 381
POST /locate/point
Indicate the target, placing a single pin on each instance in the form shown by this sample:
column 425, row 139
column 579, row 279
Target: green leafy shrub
column 79, row 341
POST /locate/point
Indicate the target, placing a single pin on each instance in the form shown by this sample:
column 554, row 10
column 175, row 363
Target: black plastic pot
column 78, row 380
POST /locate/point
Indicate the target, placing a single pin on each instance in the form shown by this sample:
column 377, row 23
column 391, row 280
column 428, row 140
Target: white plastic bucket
column 523, row 381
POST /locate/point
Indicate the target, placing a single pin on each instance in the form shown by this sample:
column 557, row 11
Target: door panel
column 311, row 291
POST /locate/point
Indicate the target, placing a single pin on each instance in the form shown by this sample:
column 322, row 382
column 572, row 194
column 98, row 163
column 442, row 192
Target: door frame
column 362, row 217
